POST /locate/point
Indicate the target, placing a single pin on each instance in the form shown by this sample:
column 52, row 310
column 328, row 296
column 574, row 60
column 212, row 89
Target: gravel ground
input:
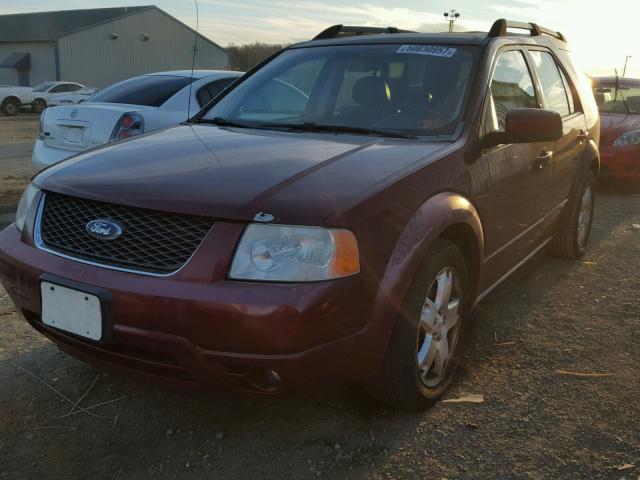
column 554, row 355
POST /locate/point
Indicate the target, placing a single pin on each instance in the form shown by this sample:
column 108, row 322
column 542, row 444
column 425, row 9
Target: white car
column 131, row 107
column 73, row 98
column 12, row 98
column 45, row 93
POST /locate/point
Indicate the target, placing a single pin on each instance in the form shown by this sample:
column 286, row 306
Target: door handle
column 583, row 136
column 544, row 159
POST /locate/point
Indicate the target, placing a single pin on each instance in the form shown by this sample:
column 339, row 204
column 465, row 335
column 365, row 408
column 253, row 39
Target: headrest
column 371, row 91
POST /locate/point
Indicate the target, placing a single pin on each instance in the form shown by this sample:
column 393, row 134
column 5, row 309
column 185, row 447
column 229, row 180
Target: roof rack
column 349, row 31
column 499, row 29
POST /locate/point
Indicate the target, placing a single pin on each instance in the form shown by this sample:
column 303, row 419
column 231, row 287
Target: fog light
column 272, row 377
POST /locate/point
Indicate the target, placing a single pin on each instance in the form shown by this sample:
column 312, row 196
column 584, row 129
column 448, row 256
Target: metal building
column 100, row 46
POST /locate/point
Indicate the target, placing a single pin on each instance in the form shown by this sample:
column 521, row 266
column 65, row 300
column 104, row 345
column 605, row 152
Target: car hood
column 231, row 173
column 612, row 125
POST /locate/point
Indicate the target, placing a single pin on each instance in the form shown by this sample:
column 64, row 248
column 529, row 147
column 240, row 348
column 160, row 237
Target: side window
column 511, row 87
column 73, row 87
column 58, row 89
column 207, row 93
column 570, row 90
column 553, row 90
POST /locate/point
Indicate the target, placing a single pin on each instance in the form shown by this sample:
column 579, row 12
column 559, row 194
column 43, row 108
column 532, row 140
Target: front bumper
column 191, row 330
column 620, row 162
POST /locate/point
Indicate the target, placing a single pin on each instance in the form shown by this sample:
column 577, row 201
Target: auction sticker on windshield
column 429, row 50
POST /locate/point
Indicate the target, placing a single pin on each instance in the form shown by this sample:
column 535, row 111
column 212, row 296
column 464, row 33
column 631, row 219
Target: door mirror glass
column 527, row 125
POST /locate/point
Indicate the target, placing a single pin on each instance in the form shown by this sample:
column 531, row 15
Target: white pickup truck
column 12, row 98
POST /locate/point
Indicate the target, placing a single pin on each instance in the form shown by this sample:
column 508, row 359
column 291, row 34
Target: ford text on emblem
column 74, row 113
column 104, row 229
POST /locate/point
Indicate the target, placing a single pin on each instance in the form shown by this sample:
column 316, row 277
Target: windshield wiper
column 222, row 122
column 319, row 127
column 308, row 127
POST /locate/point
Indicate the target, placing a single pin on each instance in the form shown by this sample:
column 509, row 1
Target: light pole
column 624, row 70
column 451, row 16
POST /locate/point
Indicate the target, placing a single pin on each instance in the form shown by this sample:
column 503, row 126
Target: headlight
column 23, row 207
column 628, row 138
column 281, row 253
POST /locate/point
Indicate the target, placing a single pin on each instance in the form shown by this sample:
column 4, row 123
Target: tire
column 10, row 107
column 571, row 241
column 401, row 382
column 38, row 105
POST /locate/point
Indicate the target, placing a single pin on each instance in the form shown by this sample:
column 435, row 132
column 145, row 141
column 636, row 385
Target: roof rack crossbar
column 499, row 29
column 348, row 31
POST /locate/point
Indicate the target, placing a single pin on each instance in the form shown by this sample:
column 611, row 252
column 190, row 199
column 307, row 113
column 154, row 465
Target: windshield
column 149, row 90
column 412, row 89
column 617, row 100
column 43, row 86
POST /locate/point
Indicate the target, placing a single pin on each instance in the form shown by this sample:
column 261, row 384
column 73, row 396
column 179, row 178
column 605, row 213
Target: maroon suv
column 334, row 216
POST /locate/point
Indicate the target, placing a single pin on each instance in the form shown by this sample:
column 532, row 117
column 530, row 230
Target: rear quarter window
column 151, row 90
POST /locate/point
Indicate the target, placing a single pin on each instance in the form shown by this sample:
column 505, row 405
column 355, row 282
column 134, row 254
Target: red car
column 619, row 104
column 334, row 216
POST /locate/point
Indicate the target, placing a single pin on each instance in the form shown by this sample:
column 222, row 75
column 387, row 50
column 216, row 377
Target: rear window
column 617, row 99
column 148, row 90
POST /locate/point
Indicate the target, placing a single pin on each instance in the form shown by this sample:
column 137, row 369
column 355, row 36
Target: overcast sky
column 600, row 33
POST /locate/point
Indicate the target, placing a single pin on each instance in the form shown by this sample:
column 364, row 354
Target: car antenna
column 193, row 61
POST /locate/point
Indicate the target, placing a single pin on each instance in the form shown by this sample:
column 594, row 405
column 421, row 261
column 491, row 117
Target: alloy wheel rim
column 439, row 327
column 39, row 106
column 11, row 108
column 584, row 217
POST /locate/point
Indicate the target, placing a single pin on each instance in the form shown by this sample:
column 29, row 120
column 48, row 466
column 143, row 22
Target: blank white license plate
column 71, row 310
column 73, row 135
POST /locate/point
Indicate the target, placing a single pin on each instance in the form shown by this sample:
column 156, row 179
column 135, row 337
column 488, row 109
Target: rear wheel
column 10, row 107
column 38, row 105
column 571, row 241
column 426, row 342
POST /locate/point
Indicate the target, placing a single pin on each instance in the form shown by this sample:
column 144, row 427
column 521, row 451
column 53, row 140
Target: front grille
column 152, row 241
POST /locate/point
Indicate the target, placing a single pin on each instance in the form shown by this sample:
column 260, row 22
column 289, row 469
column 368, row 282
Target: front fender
column 428, row 223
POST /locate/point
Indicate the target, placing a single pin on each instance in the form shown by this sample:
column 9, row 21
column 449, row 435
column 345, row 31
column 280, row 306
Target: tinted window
column 212, row 90
column 59, row 89
column 511, row 87
column 150, row 90
column 73, row 87
column 553, row 90
column 414, row 89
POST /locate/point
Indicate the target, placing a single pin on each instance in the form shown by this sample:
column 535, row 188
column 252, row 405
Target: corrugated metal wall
column 43, row 62
column 93, row 58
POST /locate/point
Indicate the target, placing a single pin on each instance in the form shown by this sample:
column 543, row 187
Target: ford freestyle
column 334, row 216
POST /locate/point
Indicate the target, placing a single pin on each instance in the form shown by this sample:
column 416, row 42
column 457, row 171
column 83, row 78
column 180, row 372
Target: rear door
column 518, row 203
column 557, row 95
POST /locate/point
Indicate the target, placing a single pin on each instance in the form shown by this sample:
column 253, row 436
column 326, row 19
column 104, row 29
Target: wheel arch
column 8, row 98
column 446, row 215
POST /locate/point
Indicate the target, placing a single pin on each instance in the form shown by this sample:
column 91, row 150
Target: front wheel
column 571, row 241
column 38, row 105
column 425, row 345
column 10, row 107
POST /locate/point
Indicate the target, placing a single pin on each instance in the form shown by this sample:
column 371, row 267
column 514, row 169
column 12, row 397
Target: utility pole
column 451, row 16
column 624, row 70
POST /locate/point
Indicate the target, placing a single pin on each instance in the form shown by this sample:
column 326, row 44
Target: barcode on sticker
column 430, row 50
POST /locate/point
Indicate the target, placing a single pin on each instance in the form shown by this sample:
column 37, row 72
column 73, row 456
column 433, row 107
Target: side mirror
column 527, row 125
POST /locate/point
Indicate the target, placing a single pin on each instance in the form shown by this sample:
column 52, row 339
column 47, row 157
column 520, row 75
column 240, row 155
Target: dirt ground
column 554, row 354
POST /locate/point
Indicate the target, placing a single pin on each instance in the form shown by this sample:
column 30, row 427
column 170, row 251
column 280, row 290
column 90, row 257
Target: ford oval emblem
column 74, row 113
column 104, row 229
